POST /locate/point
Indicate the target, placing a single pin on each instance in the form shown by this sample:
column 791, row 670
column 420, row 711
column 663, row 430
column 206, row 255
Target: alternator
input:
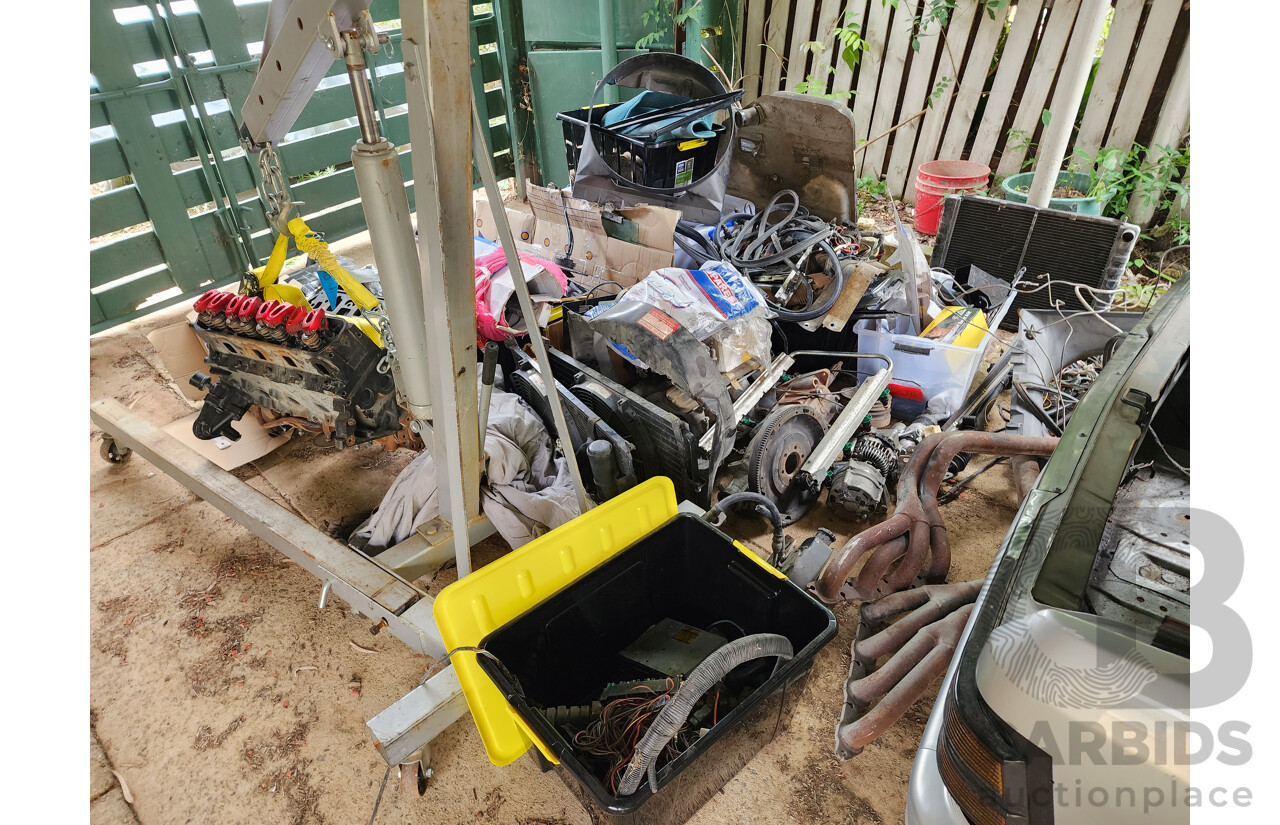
column 857, row 491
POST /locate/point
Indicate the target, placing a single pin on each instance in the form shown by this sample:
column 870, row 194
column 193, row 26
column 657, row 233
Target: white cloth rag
column 529, row 490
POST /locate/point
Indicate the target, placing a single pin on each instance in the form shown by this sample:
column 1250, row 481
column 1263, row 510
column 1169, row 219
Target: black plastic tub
column 565, row 650
column 661, row 166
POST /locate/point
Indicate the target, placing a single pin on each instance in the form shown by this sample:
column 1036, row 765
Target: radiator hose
column 765, row 507
column 675, row 713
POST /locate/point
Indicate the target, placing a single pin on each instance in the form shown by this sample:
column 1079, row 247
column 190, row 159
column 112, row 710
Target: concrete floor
column 219, row 692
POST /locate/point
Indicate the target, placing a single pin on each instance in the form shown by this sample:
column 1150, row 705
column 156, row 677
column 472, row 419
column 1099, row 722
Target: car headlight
column 994, row 774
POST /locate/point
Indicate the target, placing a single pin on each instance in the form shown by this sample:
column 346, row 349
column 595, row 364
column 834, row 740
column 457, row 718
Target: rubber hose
column 694, row 244
column 747, row 247
column 675, row 713
column 771, row 512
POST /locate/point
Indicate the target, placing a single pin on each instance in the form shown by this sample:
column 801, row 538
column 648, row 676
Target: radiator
column 1000, row 238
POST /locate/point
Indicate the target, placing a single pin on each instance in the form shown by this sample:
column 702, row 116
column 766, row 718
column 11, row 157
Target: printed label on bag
column 659, row 323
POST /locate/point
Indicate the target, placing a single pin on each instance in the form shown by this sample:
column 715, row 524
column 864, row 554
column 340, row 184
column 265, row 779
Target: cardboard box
column 594, row 251
column 519, row 215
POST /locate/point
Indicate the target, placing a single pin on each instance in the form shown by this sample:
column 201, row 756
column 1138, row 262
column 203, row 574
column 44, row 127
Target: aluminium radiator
column 1001, row 237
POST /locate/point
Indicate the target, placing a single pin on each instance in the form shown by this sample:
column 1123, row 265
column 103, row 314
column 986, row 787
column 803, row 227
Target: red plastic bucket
column 938, row 178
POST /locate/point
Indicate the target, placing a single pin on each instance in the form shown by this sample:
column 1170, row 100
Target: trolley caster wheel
column 413, row 779
column 112, row 452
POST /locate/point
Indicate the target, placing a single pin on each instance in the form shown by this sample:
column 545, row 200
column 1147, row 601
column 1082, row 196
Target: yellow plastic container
column 973, row 333
column 473, row 607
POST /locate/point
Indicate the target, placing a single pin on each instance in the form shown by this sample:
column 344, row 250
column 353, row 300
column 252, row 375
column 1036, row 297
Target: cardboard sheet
column 181, row 353
column 254, row 442
column 519, row 215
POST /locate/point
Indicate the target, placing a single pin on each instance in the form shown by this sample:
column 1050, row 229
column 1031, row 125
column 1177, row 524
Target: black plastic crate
column 664, row 165
column 566, row 650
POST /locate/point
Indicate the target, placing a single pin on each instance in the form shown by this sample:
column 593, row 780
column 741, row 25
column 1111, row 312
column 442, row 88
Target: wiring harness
column 616, row 733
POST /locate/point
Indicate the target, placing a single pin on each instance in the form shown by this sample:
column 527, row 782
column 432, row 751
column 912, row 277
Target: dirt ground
column 221, row 694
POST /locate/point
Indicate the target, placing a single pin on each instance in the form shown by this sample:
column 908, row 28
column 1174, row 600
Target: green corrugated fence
column 173, row 203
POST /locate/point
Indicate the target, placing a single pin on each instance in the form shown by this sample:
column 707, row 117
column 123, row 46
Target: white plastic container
column 942, row 373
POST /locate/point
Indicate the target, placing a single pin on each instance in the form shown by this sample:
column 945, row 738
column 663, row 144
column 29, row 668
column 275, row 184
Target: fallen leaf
column 355, row 646
column 124, row 788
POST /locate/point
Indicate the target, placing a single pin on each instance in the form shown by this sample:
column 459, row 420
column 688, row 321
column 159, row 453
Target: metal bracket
column 330, row 35
column 428, row 549
column 370, row 39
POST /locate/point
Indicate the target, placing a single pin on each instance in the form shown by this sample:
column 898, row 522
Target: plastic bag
column 702, row 300
column 716, row 303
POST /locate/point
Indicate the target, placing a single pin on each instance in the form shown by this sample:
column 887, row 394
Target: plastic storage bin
column 927, row 375
column 665, row 165
column 565, row 651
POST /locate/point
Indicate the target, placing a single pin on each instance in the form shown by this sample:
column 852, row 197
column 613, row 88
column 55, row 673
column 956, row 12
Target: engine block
column 293, row 362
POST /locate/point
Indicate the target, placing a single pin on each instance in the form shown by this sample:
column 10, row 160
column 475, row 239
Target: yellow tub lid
column 473, row 607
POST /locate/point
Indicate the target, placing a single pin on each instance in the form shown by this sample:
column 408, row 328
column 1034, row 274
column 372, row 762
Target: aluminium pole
column 1074, row 76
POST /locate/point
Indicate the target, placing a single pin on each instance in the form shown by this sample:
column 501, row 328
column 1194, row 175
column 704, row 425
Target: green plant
column 1156, row 177
column 1106, row 170
column 813, row 86
column 870, row 186
column 1019, row 140
column 849, row 40
column 655, row 17
column 662, row 19
column 852, row 45
column 938, row 90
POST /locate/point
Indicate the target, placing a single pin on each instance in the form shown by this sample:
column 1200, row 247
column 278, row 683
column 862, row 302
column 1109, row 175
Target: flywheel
column 778, row 450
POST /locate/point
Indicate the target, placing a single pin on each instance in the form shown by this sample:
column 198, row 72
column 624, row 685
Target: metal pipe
column 1025, row 472
column 1071, row 79
column 484, row 162
column 936, row 470
column 846, row 424
column 361, row 94
column 487, row 372
column 608, row 47
column 927, row 605
column 906, row 677
column 926, row 548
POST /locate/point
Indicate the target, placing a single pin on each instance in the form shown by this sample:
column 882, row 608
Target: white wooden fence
column 990, row 71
